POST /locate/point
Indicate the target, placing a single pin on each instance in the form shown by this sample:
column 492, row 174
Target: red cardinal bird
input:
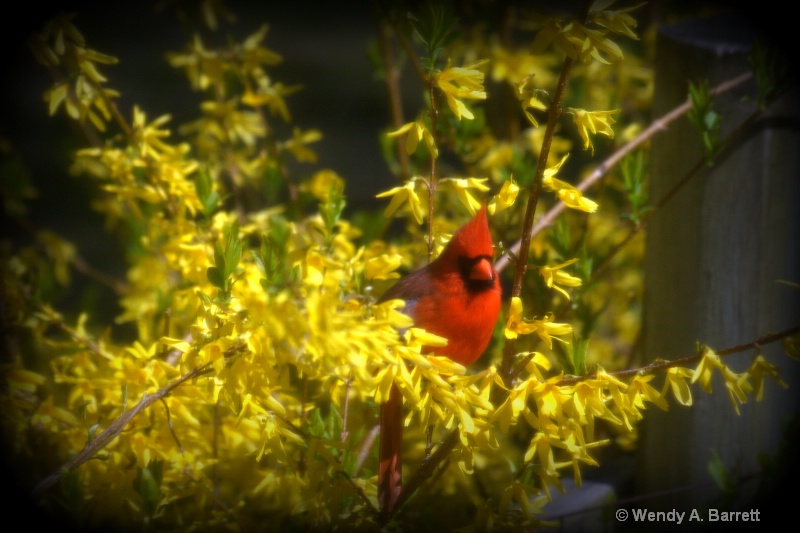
column 457, row 297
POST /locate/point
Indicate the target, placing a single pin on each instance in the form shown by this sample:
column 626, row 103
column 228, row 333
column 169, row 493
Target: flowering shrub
column 251, row 391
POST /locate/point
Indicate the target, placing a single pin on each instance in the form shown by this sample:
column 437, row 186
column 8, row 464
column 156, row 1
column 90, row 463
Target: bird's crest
column 473, row 238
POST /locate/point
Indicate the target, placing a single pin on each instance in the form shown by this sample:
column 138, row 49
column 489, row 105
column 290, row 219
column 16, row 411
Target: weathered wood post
column 715, row 254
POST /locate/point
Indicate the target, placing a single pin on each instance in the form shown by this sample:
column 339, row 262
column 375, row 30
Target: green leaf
column 434, row 26
column 148, row 486
column 72, row 491
column 233, row 249
column 219, row 259
column 215, row 277
column 721, row 475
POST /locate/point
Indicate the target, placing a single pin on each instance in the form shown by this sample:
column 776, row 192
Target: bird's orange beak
column 482, row 271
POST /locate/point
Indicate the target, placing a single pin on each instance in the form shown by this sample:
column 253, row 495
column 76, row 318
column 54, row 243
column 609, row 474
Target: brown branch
column 113, row 430
column 693, row 172
column 434, row 113
column 392, row 80
column 654, row 367
column 366, row 447
column 343, row 435
column 117, row 285
column 412, row 55
column 74, row 335
column 523, row 246
column 79, row 263
column 656, row 126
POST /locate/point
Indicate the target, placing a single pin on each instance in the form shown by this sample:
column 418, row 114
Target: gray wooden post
column 714, row 255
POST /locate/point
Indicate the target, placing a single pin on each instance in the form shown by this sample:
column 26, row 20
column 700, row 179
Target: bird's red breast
column 457, row 296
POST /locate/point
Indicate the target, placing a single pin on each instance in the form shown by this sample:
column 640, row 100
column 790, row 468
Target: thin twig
column 56, row 320
column 660, row 366
column 434, row 114
column 165, row 333
column 701, row 164
column 366, row 447
column 429, row 466
column 172, row 428
column 216, row 429
column 113, row 430
column 392, row 80
column 343, row 435
column 82, row 266
column 412, row 55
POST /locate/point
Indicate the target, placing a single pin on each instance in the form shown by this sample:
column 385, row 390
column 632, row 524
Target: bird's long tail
column 391, row 452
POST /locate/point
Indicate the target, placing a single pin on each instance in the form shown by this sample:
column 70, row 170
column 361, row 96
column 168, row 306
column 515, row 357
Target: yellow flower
column 554, row 277
column 758, row 370
column 640, row 391
column 676, row 379
column 737, row 386
column 403, row 194
column 617, row 21
column 297, row 145
column 49, row 415
column 391, row 313
column 589, row 403
column 568, row 194
column 417, row 131
column 322, row 183
column 545, row 328
column 574, row 199
column 540, row 446
column 708, row 363
column 462, row 186
column 549, row 172
column 461, row 82
column 383, row 266
column 515, row 324
column 596, row 122
column 272, row 96
column 576, row 40
column 148, row 136
column 505, row 198
column 529, row 101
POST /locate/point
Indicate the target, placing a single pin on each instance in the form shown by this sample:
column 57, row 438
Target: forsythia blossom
column 595, row 122
column 461, row 82
column 554, row 277
column 417, row 131
column 568, row 194
column 400, row 195
column 544, row 328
